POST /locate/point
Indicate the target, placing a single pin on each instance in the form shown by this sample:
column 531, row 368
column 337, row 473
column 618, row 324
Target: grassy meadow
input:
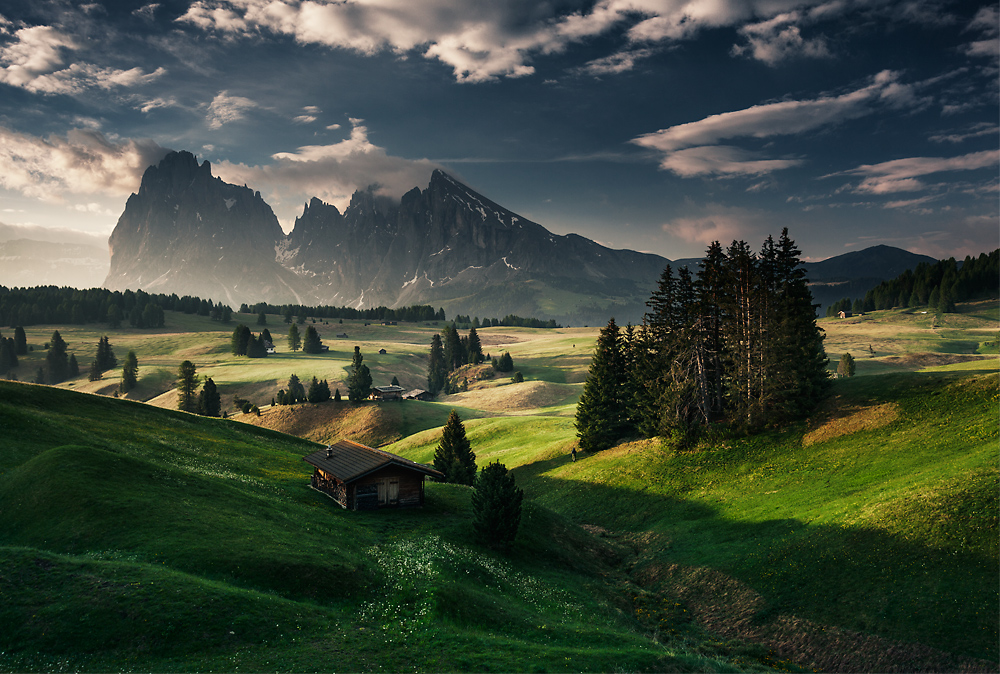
column 865, row 538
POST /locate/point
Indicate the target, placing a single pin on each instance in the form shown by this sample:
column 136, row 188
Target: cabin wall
column 330, row 486
column 364, row 493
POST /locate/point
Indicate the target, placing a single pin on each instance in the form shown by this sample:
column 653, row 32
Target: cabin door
column 388, row 490
column 393, row 490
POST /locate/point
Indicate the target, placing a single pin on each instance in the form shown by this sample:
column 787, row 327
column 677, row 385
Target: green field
column 863, row 539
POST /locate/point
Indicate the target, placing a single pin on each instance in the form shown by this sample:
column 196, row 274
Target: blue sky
column 655, row 125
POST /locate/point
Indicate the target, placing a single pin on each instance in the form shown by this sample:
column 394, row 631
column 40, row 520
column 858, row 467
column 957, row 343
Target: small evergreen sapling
column 846, row 366
column 496, row 506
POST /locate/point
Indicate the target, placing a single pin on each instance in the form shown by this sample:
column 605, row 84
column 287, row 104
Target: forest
column 737, row 344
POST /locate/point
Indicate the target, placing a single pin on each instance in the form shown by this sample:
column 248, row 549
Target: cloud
column 987, row 23
column 225, row 109
column 616, row 63
column 35, row 62
column 694, row 148
column 304, row 119
column 146, row 12
column 974, row 131
column 332, row 172
column 83, row 162
column 903, row 175
column 484, row 41
column 778, row 39
column 720, row 223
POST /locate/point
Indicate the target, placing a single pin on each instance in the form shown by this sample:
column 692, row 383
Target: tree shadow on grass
column 826, row 597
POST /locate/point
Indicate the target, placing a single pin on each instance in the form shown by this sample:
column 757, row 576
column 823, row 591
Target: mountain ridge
column 188, row 232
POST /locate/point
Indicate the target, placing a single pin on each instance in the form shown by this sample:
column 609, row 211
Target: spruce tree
column 359, row 383
column 105, row 355
column 312, row 343
column 394, row 382
column 496, row 506
column 74, row 366
column 240, row 341
column 130, row 373
column 846, row 366
column 56, row 359
column 209, row 400
column 475, row 348
column 8, row 357
column 95, row 372
column 294, row 341
column 601, row 414
column 336, row 396
column 20, row 341
column 437, row 370
column 454, row 456
column 296, row 391
column 187, row 383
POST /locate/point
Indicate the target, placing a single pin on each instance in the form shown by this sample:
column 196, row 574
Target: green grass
column 171, row 542
column 891, row 531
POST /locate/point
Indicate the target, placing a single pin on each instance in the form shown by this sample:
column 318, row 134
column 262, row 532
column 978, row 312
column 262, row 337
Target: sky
column 653, row 125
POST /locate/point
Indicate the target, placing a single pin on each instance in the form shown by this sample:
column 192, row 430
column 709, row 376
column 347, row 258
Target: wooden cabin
column 387, row 393
column 417, row 394
column 362, row 478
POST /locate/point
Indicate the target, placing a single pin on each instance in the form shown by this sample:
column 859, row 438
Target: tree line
column 735, row 344
column 69, row 306
column 510, row 320
column 410, row 314
column 937, row 286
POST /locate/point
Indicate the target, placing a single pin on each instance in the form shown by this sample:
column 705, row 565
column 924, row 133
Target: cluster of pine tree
column 738, row 344
column 207, row 402
column 937, row 286
column 359, row 382
column 104, row 360
column 245, row 343
column 69, row 306
column 11, row 348
column 295, row 392
column 412, row 314
column 449, row 354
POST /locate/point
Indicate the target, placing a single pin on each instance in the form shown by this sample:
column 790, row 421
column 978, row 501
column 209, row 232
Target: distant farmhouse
column 342, row 335
column 417, row 394
column 845, row 314
column 387, row 393
column 362, row 478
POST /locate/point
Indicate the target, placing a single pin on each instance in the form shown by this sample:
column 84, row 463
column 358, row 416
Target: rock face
column 187, row 232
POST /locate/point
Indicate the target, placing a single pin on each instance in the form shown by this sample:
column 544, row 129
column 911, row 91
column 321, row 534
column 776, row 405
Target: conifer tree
column 240, row 341
column 475, row 348
column 312, row 343
column 8, row 356
column 437, row 369
column 496, row 506
column 336, row 395
column 56, row 359
column 95, row 372
column 209, row 400
column 130, row 373
column 187, row 383
column 454, row 456
column 359, row 383
column 105, row 355
column 20, row 341
column 394, row 382
column 294, row 341
column 74, row 366
column 846, row 366
column 600, row 414
column 296, row 391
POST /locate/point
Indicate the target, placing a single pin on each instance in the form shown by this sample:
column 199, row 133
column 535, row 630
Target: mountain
column 854, row 274
column 190, row 233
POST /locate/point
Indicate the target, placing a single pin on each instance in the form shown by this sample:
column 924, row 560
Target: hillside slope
column 135, row 538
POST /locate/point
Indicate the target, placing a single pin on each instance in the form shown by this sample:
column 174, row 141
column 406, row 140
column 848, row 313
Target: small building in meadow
column 382, row 352
column 362, row 478
column 387, row 393
column 342, row 335
column 417, row 394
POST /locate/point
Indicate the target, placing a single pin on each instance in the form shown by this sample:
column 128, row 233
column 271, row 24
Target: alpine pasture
column 137, row 537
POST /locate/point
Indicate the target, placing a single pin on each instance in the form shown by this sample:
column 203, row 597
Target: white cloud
column 777, row 39
column 616, row 63
column 975, row 131
column 84, row 162
column 720, row 223
column 333, row 127
column 304, row 119
column 225, row 109
column 987, row 23
column 35, row 60
column 694, row 148
column 146, row 12
column 331, row 172
column 903, row 175
column 484, row 41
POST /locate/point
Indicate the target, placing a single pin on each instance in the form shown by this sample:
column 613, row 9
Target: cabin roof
column 388, row 389
column 348, row 461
